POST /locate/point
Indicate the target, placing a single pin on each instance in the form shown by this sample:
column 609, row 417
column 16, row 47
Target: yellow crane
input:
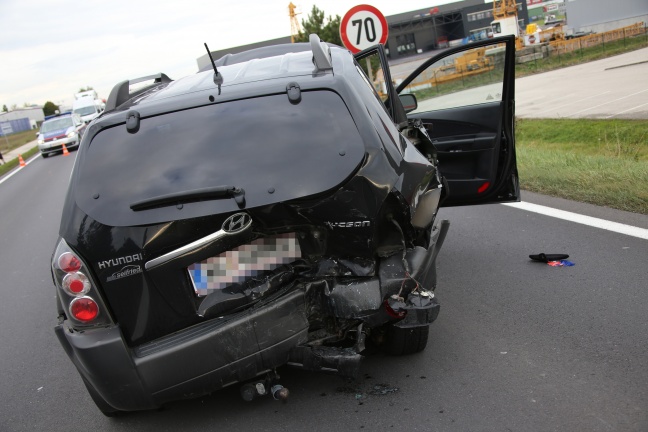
column 505, row 20
column 295, row 29
column 504, row 8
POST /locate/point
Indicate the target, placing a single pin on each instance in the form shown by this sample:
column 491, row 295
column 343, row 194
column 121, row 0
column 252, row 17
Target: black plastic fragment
column 545, row 258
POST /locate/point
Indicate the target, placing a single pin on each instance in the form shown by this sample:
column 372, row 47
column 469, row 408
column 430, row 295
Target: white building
column 603, row 15
column 34, row 114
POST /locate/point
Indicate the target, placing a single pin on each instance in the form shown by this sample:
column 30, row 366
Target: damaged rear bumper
column 241, row 346
column 191, row 363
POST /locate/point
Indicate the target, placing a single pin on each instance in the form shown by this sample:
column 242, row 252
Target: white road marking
column 573, row 102
column 519, row 102
column 620, row 228
column 625, row 111
column 16, row 171
column 608, row 102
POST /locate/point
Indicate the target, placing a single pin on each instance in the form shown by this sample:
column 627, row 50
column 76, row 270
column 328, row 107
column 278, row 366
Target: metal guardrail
column 592, row 40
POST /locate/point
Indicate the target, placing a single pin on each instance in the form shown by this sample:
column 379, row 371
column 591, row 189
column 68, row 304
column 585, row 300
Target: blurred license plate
column 246, row 261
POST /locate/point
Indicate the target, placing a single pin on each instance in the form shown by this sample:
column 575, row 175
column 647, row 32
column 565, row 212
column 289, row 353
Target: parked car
column 276, row 210
column 66, row 128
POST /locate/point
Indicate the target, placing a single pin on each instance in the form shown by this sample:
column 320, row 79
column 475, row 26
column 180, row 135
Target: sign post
column 363, row 26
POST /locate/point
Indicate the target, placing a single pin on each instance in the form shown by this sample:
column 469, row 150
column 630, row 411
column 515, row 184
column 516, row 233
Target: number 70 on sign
column 363, row 26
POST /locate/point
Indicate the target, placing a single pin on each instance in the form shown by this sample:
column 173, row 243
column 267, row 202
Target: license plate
column 244, row 262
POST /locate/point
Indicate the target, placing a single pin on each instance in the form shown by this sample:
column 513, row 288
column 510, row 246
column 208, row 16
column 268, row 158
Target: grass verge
column 13, row 163
column 16, row 140
column 602, row 162
column 556, row 61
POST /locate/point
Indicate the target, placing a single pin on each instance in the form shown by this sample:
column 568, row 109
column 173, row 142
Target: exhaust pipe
column 253, row 390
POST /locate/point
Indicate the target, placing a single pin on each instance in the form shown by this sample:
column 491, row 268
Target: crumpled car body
column 282, row 214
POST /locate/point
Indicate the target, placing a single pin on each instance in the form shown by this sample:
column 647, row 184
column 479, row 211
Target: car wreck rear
column 215, row 230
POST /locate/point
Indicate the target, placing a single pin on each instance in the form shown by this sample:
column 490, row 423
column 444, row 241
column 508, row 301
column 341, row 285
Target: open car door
column 465, row 98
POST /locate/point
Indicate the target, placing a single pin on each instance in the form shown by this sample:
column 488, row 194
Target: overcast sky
column 49, row 49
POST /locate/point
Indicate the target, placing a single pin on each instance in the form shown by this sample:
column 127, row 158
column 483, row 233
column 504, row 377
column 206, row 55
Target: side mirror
column 408, row 100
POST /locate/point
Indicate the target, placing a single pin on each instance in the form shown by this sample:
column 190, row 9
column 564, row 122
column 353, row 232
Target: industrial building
column 418, row 31
column 34, row 115
column 598, row 16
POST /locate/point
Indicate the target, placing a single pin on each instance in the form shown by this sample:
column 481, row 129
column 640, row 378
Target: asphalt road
column 518, row 346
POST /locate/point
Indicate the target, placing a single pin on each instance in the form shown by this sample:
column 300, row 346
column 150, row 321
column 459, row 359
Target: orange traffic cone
column 22, row 161
column 65, row 151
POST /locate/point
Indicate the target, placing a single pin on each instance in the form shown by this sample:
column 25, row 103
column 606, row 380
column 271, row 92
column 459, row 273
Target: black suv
column 278, row 208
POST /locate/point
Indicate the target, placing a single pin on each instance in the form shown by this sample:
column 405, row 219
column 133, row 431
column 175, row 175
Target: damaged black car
column 277, row 208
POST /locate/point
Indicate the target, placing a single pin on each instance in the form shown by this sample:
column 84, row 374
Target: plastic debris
column 546, row 258
column 561, row 263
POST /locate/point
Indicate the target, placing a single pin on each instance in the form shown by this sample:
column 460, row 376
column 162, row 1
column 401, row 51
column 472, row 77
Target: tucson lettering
column 356, row 224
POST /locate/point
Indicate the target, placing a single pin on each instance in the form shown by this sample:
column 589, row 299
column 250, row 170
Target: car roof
column 247, row 74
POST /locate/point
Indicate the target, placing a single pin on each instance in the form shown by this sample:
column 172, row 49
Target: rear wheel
column 404, row 341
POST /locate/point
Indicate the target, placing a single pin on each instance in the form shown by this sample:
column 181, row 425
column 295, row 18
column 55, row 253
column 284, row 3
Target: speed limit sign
column 362, row 27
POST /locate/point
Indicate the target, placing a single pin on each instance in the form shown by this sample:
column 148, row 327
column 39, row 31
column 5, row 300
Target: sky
column 50, row 49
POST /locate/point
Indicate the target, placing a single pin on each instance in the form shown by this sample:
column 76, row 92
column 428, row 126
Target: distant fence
column 566, row 46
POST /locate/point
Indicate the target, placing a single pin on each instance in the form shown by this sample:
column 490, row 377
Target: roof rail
column 321, row 53
column 121, row 91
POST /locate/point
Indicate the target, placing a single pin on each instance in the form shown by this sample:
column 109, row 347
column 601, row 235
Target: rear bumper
column 238, row 347
column 190, row 363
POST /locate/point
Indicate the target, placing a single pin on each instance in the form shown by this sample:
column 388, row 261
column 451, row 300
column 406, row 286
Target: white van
column 88, row 108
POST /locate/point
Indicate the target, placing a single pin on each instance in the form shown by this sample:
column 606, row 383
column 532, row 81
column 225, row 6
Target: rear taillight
column 84, row 309
column 68, row 262
column 78, row 294
column 76, row 284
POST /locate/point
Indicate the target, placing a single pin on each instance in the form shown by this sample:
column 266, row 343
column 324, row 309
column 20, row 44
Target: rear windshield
column 275, row 150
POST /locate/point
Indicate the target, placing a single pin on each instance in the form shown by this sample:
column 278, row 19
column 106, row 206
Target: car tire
column 44, row 155
column 103, row 406
column 403, row 341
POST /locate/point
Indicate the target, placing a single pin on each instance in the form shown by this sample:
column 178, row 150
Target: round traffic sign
column 363, row 26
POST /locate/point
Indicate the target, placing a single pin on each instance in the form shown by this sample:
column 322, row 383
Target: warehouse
column 597, row 15
column 418, row 31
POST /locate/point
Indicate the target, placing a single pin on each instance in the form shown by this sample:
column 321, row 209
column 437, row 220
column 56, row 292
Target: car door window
column 373, row 62
column 465, row 99
column 375, row 85
column 466, row 78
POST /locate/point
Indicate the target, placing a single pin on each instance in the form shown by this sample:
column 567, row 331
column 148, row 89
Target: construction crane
column 295, row 29
column 504, row 8
column 505, row 20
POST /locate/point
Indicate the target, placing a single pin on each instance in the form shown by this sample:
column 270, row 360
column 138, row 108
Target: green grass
column 13, row 163
column 16, row 140
column 555, row 61
column 602, row 162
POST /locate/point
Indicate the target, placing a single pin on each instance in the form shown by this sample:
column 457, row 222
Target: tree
column 85, row 89
column 50, row 108
column 329, row 32
column 4, row 108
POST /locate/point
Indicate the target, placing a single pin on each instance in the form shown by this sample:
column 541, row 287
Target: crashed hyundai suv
column 277, row 208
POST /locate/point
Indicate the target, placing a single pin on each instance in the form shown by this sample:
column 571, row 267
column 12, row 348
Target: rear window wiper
column 216, row 192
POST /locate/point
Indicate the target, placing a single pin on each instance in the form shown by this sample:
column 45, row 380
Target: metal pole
column 369, row 71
